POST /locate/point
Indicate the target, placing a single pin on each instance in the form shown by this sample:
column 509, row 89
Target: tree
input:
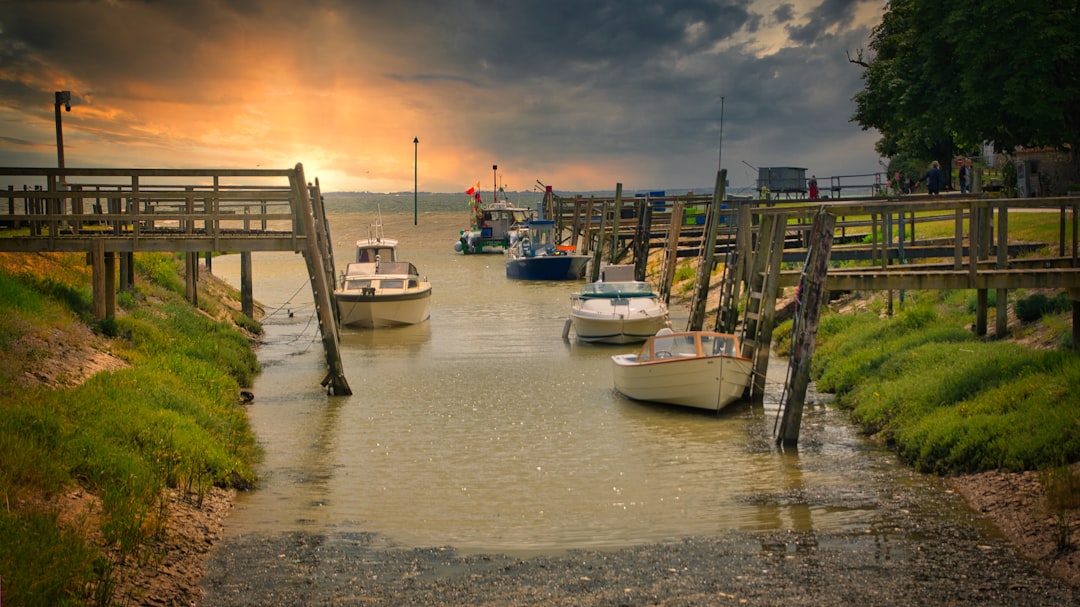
column 948, row 74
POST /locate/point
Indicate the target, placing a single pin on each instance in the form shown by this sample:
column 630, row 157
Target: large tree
column 955, row 74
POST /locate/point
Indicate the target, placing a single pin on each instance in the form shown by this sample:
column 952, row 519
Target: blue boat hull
column 547, row 267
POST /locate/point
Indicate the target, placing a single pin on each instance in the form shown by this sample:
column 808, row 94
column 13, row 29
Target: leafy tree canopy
column 950, row 75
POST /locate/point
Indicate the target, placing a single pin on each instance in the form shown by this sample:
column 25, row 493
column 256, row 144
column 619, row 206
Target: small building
column 782, row 180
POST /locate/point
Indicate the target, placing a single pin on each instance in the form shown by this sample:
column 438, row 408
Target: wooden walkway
column 110, row 214
column 755, row 247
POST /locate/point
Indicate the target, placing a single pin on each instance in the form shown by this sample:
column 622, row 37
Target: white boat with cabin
column 697, row 369
column 616, row 309
column 378, row 290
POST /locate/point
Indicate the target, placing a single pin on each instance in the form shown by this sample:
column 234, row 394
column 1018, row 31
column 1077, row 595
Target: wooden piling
column 334, row 381
column 812, row 296
column 97, row 277
column 708, row 256
column 247, row 298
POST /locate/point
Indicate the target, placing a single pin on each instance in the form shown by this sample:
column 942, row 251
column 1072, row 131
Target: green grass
column 172, row 419
column 946, row 401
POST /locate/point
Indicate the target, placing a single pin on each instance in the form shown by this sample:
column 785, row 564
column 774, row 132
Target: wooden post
column 671, row 251
column 616, row 224
column 247, row 299
column 576, row 223
column 110, row 285
column 598, row 250
column 191, row 279
column 97, row 264
column 1001, row 297
column 587, row 247
column 813, row 295
column 763, row 338
column 126, row 283
column 335, row 377
column 643, row 240
column 708, row 257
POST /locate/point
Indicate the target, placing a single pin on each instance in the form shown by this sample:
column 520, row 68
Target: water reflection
column 483, row 429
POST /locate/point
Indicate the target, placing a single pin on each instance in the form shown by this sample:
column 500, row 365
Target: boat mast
column 494, row 184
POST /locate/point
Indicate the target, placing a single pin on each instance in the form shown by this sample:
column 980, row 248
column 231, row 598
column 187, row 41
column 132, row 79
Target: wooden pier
column 762, row 246
column 111, row 214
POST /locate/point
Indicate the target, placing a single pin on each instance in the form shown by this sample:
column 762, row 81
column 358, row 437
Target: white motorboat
column 378, row 290
column 616, row 309
column 698, row 369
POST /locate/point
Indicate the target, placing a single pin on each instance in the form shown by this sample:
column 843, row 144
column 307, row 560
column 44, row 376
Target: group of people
column 935, row 178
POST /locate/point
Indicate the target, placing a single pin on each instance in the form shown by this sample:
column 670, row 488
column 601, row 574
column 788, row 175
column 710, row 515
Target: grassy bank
column 948, row 401
column 164, row 414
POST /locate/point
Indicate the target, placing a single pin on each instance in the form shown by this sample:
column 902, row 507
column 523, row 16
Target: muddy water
column 483, row 429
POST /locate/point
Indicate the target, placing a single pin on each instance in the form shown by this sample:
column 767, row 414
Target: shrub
column 1037, row 305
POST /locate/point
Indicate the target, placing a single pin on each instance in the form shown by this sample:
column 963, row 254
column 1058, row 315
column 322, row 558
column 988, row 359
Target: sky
column 576, row 94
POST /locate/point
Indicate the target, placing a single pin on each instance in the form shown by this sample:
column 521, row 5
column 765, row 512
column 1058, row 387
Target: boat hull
column 710, row 383
column 617, row 321
column 547, row 267
column 376, row 311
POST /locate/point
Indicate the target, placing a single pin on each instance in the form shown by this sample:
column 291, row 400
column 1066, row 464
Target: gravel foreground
column 919, row 565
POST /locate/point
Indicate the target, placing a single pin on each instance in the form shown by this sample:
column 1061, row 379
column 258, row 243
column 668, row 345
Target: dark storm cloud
column 535, row 82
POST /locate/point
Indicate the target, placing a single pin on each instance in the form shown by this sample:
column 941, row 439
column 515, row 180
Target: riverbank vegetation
column 946, row 400
column 116, row 415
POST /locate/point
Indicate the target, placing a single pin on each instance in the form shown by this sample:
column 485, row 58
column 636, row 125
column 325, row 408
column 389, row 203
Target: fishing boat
column 495, row 226
column 616, row 309
column 378, row 290
column 697, row 369
column 536, row 255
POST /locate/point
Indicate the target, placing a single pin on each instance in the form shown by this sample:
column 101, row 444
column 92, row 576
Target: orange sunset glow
column 577, row 95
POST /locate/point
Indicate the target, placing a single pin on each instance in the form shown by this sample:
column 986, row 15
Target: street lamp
column 62, row 98
column 416, row 152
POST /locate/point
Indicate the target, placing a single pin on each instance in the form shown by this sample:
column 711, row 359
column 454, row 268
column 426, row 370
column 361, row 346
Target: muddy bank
column 947, row 566
column 910, row 555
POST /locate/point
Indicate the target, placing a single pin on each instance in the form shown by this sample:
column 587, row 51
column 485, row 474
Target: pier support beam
column 97, row 277
column 247, row 299
column 812, row 296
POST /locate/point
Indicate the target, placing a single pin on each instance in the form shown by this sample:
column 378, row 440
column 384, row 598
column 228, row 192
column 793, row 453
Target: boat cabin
column 371, row 253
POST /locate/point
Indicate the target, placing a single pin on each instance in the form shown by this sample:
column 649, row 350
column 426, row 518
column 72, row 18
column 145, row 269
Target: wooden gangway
column 110, row 214
column 754, row 248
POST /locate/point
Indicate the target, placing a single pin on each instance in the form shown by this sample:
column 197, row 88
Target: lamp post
column 62, row 98
column 416, row 152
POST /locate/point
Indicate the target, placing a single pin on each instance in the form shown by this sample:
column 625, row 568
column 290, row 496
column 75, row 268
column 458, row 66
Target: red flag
column 473, row 189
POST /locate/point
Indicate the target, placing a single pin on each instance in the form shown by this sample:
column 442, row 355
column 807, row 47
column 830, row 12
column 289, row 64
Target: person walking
column 934, row 179
column 813, row 187
column 963, row 176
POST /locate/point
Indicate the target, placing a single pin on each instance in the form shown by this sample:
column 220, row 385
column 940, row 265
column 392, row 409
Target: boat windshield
column 717, row 345
column 357, row 284
column 634, row 288
column 373, row 254
column 669, row 346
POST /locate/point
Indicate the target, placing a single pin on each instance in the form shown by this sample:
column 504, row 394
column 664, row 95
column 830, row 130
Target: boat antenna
column 494, row 183
column 720, row 154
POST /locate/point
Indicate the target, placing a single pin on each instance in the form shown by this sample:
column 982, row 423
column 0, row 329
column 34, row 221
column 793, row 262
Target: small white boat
column 616, row 309
column 378, row 290
column 699, row 369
